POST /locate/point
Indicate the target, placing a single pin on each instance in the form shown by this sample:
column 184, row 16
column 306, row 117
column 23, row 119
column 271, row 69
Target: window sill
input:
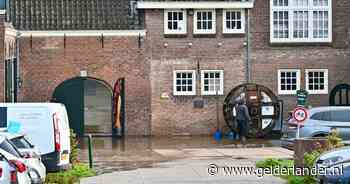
column 233, row 32
column 287, row 93
column 204, row 33
column 183, row 94
column 212, row 94
column 175, row 33
column 318, row 92
column 296, row 44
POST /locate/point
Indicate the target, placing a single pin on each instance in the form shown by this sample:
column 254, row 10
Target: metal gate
column 340, row 95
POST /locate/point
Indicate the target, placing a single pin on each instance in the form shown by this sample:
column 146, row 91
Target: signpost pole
column 298, row 130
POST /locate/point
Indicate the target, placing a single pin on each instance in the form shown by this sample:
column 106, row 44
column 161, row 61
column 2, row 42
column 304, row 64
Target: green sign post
column 301, row 97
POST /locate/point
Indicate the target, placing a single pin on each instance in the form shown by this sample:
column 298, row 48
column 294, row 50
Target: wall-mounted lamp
column 245, row 43
column 190, row 44
column 165, row 45
column 219, row 44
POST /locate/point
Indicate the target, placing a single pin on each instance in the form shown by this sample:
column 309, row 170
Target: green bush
column 70, row 176
column 334, row 140
column 272, row 163
column 74, row 148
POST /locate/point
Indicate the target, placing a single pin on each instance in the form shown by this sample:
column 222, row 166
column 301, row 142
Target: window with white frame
column 212, row 82
column 184, row 82
column 288, row 81
column 204, row 22
column 317, row 81
column 233, row 21
column 301, row 21
column 175, row 22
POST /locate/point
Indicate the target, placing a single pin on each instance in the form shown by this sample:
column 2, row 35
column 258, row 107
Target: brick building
column 177, row 59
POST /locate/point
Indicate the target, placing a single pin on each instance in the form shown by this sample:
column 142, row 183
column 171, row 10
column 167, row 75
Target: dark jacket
column 242, row 113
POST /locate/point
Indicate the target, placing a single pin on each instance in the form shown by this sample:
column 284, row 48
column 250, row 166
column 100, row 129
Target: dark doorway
column 340, row 95
column 11, row 80
column 89, row 105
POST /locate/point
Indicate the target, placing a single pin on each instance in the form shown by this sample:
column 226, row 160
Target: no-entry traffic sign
column 300, row 114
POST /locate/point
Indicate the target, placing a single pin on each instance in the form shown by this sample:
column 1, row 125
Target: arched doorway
column 89, row 105
column 340, row 95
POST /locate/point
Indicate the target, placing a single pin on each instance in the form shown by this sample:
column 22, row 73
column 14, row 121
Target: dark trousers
column 242, row 128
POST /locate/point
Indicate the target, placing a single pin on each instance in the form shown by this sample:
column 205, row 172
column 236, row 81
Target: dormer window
column 204, row 22
column 175, row 22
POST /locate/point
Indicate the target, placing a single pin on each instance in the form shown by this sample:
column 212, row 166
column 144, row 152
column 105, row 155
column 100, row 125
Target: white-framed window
column 288, row 81
column 175, row 22
column 204, row 22
column 184, row 82
column 300, row 21
column 233, row 21
column 212, row 82
column 316, row 81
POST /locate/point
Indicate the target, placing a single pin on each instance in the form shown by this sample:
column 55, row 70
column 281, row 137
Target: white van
column 45, row 124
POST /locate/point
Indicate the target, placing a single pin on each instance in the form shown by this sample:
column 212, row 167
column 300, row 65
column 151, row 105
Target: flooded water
column 115, row 154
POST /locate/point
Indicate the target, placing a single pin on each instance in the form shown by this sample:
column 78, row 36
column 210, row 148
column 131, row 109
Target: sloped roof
column 73, row 14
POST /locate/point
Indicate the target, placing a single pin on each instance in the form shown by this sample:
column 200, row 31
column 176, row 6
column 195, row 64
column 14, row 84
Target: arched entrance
column 89, row 105
column 340, row 95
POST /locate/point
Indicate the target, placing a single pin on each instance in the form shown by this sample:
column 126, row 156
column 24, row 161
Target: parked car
column 337, row 163
column 319, row 123
column 45, row 124
column 30, row 153
column 6, row 170
column 13, row 170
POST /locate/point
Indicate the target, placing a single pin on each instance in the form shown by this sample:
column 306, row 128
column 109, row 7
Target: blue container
column 217, row 135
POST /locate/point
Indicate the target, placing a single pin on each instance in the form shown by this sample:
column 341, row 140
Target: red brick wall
column 176, row 114
column 47, row 64
column 2, row 59
column 267, row 58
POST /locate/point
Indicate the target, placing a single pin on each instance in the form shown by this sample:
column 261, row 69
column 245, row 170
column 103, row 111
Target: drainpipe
column 18, row 74
column 247, row 47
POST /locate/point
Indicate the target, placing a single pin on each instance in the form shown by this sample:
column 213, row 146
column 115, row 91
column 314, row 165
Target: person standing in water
column 243, row 119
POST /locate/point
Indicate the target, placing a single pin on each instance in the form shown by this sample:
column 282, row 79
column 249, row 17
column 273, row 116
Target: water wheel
column 262, row 104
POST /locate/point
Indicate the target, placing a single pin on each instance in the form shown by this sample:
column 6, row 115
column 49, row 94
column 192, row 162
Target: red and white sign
column 300, row 114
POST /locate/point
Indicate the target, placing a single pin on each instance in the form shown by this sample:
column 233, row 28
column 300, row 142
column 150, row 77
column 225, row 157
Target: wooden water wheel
column 263, row 108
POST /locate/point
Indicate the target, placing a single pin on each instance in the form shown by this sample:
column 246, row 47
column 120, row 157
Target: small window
column 175, row 22
column 212, row 82
column 184, row 82
column 317, row 81
column 204, row 22
column 233, row 21
column 288, row 81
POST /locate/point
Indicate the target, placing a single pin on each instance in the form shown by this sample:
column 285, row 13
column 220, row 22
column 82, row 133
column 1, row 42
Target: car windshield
column 8, row 147
column 21, row 143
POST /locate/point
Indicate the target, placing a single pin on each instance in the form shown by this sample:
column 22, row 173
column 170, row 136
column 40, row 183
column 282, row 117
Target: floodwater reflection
column 116, row 154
